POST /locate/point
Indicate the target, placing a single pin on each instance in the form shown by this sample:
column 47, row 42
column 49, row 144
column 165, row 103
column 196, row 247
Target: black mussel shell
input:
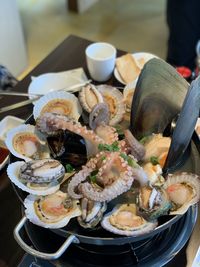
column 68, row 147
column 158, row 98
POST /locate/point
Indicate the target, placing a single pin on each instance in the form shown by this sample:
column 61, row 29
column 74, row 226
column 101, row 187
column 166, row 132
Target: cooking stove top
column 154, row 252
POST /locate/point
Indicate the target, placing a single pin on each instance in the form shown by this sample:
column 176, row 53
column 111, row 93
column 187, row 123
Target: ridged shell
column 25, row 143
column 128, row 210
column 128, row 93
column 13, row 171
column 91, row 217
column 42, row 210
column 114, row 98
column 153, row 202
column 172, row 186
column 42, row 171
column 58, row 102
column 89, row 96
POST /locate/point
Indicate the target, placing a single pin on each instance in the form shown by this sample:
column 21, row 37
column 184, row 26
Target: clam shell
column 17, row 133
column 154, row 105
column 13, row 173
column 89, row 96
column 189, row 179
column 31, row 214
column 128, row 93
column 140, row 230
column 69, row 105
column 114, row 98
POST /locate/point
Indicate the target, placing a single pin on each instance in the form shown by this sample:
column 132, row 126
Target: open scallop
column 123, row 220
column 183, row 190
column 114, row 99
column 40, row 177
column 25, row 142
column 52, row 211
column 58, row 102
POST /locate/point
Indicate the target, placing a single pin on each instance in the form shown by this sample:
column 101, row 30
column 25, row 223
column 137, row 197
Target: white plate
column 137, row 56
column 49, row 82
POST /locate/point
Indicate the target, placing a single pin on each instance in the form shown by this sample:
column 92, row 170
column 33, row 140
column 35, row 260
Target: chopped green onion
column 144, row 139
column 69, row 168
column 103, row 158
column 111, row 148
column 93, row 176
column 131, row 161
column 154, row 160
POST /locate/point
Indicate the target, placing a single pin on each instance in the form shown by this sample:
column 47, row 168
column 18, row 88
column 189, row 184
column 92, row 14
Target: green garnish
column 154, row 160
column 69, row 168
column 111, row 148
column 119, row 131
column 103, row 158
column 144, row 139
column 93, row 176
column 131, row 161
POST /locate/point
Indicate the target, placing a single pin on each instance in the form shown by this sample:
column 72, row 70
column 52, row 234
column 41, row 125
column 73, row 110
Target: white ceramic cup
column 100, row 58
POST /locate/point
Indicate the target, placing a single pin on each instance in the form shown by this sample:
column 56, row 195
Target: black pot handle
column 36, row 253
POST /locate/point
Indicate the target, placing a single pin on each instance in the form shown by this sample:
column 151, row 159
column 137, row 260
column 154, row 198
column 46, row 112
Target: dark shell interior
column 158, row 98
column 68, row 147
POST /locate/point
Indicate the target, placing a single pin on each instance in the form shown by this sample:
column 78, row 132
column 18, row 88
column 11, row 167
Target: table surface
column 70, row 54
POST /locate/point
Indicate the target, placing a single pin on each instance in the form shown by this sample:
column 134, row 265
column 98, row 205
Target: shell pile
column 115, row 167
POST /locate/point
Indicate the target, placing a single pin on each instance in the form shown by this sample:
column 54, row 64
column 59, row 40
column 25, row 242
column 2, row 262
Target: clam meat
column 24, row 142
column 183, row 190
column 92, row 212
column 114, row 99
column 37, row 177
column 124, row 220
column 52, row 211
column 89, row 96
column 153, row 202
column 42, row 171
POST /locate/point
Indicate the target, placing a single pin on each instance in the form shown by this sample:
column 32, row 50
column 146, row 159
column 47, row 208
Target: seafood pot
column 99, row 238
column 153, row 109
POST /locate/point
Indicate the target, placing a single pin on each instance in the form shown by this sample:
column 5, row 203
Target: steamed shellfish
column 92, row 213
column 38, row 177
column 24, row 143
column 123, row 220
column 183, row 190
column 52, row 211
column 89, row 96
column 153, row 202
column 60, row 103
column 114, row 98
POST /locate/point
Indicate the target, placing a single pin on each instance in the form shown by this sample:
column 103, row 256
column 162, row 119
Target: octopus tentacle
column 122, row 174
column 110, row 192
column 137, row 149
column 49, row 122
column 76, row 180
column 107, row 133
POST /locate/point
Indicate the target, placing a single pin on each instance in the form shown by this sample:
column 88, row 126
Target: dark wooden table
column 68, row 55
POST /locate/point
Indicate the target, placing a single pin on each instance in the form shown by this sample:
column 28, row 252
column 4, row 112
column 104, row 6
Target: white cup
column 100, row 58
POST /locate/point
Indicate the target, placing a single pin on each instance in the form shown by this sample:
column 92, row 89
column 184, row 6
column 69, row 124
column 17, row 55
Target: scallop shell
column 128, row 93
column 89, row 96
column 13, row 171
column 114, row 98
column 26, row 143
column 176, row 194
column 58, row 102
column 41, row 210
column 110, row 223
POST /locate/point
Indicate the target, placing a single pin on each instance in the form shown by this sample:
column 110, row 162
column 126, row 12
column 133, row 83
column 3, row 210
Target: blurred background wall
column 131, row 25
